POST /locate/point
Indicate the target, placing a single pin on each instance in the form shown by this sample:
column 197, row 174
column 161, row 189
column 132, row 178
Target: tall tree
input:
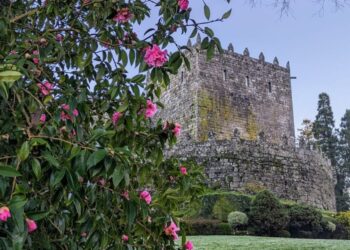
column 343, row 162
column 323, row 128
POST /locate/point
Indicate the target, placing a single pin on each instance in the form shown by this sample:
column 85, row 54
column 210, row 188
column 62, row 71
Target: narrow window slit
column 247, row 81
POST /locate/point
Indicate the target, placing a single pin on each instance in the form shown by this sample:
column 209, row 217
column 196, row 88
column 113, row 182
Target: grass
column 265, row 243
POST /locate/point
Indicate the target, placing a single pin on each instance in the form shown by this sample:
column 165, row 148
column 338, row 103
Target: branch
column 29, row 13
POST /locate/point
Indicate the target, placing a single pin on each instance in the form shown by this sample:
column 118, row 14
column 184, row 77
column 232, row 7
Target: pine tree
column 323, row 128
column 343, row 163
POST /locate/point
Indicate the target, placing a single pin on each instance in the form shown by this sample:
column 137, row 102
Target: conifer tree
column 323, row 128
column 343, row 163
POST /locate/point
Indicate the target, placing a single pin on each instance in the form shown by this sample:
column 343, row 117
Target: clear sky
column 317, row 44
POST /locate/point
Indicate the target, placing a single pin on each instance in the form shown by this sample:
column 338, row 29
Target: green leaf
column 17, row 202
column 123, row 107
column 8, row 171
column 117, row 176
column 9, row 76
column 206, row 11
column 57, row 177
column 37, row 215
column 36, row 167
column 96, row 157
column 47, row 156
column 227, row 14
column 132, row 210
column 24, row 151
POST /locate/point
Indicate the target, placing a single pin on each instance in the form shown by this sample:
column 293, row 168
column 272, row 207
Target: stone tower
column 231, row 94
column 237, row 118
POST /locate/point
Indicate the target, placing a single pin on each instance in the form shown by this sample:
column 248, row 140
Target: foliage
column 323, row 128
column 77, row 146
column 331, row 226
column 344, row 218
column 239, row 202
column 343, row 163
column 222, row 208
column 208, row 227
column 237, row 219
column 306, row 135
column 253, row 187
column 267, row 215
column 304, row 221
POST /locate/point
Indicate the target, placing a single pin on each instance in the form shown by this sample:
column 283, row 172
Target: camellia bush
column 81, row 154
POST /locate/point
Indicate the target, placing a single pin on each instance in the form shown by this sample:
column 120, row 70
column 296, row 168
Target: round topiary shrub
column 237, row 219
column 267, row 215
column 222, row 208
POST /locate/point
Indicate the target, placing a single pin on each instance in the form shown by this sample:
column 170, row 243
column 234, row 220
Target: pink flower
column 145, row 195
column 36, row 52
column 42, row 118
column 59, row 38
column 65, row 116
column 166, row 125
column 115, row 117
column 189, row 245
column 183, row 170
column 172, row 230
column 102, row 182
column 125, row 194
column 123, row 15
column 183, row 4
column 36, row 60
column 65, row 107
column 4, row 213
column 83, row 234
column 125, row 237
column 13, row 52
column 31, row 225
column 155, row 57
column 45, row 88
column 151, row 109
column 75, row 112
column 177, row 129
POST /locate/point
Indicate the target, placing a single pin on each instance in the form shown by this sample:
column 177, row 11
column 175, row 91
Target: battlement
column 245, row 54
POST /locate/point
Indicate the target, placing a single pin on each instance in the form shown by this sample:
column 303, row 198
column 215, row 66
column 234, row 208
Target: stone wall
column 291, row 173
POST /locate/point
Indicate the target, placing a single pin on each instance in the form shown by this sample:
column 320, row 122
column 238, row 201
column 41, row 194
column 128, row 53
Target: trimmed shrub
column 239, row 202
column 267, row 216
column 305, row 221
column 237, row 220
column 207, row 227
column 222, row 208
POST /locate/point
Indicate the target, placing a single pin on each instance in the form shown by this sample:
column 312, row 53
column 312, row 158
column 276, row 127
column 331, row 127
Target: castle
column 237, row 117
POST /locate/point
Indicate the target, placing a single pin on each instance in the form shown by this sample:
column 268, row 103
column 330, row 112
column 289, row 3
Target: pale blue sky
column 316, row 44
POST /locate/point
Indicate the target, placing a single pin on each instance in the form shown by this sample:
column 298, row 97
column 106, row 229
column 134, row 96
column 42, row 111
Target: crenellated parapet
column 245, row 53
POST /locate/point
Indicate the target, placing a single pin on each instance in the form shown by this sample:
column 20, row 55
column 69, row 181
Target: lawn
column 265, row 243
